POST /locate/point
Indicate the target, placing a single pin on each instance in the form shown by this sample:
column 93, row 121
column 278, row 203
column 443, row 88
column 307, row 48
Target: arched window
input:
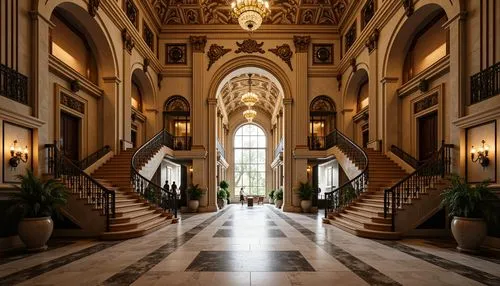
column 250, row 160
column 136, row 96
column 428, row 46
column 177, row 121
column 363, row 99
column 69, row 44
column 322, row 121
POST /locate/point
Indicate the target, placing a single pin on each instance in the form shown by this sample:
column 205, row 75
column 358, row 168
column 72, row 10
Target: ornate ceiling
column 268, row 92
column 322, row 12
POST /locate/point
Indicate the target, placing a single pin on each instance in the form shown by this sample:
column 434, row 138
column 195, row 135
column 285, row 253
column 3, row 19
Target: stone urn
column 271, row 201
column 278, row 203
column 193, row 205
column 469, row 233
column 306, row 205
column 222, row 203
column 35, row 232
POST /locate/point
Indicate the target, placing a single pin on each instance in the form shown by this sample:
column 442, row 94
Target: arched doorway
column 322, row 121
column 177, row 121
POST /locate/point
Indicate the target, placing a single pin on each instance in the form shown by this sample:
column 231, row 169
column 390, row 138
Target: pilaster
column 198, row 100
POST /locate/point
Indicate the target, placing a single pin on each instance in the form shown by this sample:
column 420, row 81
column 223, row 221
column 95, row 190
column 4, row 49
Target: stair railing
column 94, row 157
column 153, row 193
column 415, row 184
column 342, row 196
column 81, row 184
column 409, row 159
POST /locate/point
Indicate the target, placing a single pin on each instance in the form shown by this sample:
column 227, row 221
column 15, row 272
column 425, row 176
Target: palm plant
column 38, row 198
column 224, row 185
column 222, row 194
column 195, row 192
column 305, row 190
column 465, row 200
column 271, row 194
column 278, row 195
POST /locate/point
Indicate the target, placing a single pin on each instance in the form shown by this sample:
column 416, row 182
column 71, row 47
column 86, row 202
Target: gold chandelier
column 250, row 98
column 249, row 114
column 250, row 13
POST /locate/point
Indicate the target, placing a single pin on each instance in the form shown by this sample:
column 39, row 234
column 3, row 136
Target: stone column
column 390, row 117
column 287, row 155
column 198, row 99
column 371, row 44
column 212, row 156
column 125, row 100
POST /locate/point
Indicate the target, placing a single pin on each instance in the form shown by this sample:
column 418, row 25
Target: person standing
column 242, row 196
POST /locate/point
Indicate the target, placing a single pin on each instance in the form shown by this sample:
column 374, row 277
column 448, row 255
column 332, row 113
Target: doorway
column 70, row 136
column 427, row 135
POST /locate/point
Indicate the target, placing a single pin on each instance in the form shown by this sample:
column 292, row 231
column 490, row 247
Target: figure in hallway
column 242, row 196
column 174, row 188
column 166, row 186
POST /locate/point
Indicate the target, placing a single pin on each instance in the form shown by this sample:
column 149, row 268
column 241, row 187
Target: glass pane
column 261, row 156
column 262, row 142
column 238, row 142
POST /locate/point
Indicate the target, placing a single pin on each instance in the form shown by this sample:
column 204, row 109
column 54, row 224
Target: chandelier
column 250, row 13
column 249, row 114
column 249, row 98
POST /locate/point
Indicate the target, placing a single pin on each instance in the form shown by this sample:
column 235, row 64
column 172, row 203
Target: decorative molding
column 198, row 43
column 353, row 65
column 285, row 53
column 175, row 54
column 429, row 74
column 93, row 6
column 425, row 103
column 250, row 46
column 128, row 42
column 477, row 118
column 72, row 103
column 409, row 7
column 301, row 43
column 322, row 53
column 215, row 52
column 371, row 42
column 145, row 65
column 75, row 85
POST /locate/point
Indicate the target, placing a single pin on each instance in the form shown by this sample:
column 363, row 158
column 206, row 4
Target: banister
column 94, row 157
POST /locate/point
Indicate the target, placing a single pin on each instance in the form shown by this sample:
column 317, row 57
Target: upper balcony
column 485, row 84
column 13, row 85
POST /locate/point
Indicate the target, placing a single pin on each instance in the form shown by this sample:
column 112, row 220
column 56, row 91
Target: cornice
column 63, row 70
column 322, row 71
column 118, row 16
column 171, row 71
column 21, row 119
column 477, row 118
column 435, row 70
column 263, row 30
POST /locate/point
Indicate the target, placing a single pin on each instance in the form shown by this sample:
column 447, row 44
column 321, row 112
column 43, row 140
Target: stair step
column 366, row 224
column 368, row 211
column 120, row 213
column 135, row 223
column 370, row 205
column 370, row 217
column 141, row 231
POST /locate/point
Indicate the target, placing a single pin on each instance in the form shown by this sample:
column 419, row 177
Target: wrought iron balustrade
column 342, row 196
column 417, row 183
column 181, row 143
column 485, row 84
column 13, row 84
column 221, row 149
column 321, row 142
column 81, row 184
column 409, row 159
column 94, row 157
column 153, row 193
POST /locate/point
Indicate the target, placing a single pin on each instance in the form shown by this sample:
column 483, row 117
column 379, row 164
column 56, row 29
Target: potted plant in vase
column 228, row 196
column 305, row 191
column 225, row 186
column 271, row 196
column 37, row 200
column 195, row 193
column 278, row 196
column 470, row 206
column 221, row 198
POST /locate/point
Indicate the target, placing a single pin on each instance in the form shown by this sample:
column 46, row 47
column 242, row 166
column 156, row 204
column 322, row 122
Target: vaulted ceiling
column 266, row 89
column 320, row 12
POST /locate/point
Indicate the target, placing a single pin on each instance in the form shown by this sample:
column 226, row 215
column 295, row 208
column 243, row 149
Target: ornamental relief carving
column 215, row 52
column 285, row 53
column 425, row 103
column 306, row 12
column 250, row 46
column 72, row 103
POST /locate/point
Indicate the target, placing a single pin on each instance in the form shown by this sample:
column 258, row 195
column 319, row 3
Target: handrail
column 80, row 183
column 94, row 157
column 409, row 159
column 416, row 183
column 342, row 196
column 150, row 191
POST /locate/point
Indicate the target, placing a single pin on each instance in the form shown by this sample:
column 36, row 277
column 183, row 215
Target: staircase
column 134, row 216
column 365, row 215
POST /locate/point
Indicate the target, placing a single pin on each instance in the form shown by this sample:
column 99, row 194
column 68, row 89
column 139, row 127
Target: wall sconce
column 17, row 155
column 191, row 173
column 308, row 169
column 482, row 155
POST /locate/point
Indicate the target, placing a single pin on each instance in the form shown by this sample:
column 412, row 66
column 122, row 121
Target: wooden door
column 427, row 135
column 70, row 135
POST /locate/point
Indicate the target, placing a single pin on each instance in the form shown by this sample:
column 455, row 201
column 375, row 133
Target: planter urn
column 469, row 233
column 278, row 203
column 306, row 205
column 193, row 205
column 35, row 232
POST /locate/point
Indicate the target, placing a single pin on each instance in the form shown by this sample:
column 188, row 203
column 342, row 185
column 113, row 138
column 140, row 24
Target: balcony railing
column 13, row 85
column 221, row 149
column 485, row 84
column 321, row 142
column 180, row 142
column 94, row 157
column 409, row 159
column 279, row 149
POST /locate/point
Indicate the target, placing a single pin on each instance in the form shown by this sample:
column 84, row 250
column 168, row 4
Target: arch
column 144, row 81
column 249, row 64
column 177, row 104
column 323, row 104
column 322, row 121
column 354, row 83
column 100, row 42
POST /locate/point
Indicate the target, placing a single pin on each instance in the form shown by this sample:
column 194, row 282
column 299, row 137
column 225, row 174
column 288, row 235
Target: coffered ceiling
column 305, row 12
column 266, row 89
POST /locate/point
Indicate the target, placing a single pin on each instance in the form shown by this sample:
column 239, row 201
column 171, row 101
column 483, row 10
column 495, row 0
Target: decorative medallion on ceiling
column 304, row 12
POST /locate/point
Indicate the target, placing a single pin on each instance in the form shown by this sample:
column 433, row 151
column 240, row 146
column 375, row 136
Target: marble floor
column 249, row 246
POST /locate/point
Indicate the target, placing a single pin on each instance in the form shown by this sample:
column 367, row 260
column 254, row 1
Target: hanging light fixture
column 249, row 114
column 250, row 13
column 250, row 98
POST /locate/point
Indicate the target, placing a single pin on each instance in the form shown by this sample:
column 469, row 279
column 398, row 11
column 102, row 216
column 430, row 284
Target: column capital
column 301, row 43
column 198, row 43
column 212, row 101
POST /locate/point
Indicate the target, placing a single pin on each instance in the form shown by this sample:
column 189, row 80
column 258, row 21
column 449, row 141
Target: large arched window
column 250, row 160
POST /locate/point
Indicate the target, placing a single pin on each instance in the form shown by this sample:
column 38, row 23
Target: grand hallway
column 249, row 246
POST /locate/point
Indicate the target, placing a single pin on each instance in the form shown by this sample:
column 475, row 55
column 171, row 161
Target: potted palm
column 225, row 186
column 278, row 196
column 271, row 196
column 305, row 191
column 36, row 201
column 470, row 206
column 195, row 193
column 221, row 198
